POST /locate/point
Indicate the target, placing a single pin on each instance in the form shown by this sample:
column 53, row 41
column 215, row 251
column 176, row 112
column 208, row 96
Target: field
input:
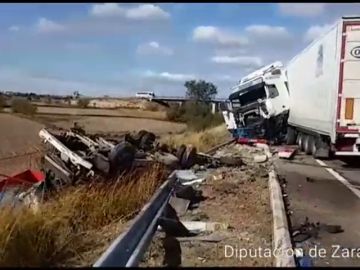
column 133, row 113
column 19, row 133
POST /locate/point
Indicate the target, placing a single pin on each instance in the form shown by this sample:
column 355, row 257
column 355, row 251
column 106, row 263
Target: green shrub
column 175, row 113
column 2, row 102
column 23, row 106
column 83, row 102
column 151, row 106
column 197, row 115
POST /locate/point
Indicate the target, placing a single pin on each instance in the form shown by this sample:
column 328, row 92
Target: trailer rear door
column 349, row 79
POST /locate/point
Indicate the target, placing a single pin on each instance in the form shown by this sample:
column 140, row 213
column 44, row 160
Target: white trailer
column 324, row 86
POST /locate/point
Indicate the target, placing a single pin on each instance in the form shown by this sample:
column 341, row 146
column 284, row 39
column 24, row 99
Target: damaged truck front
column 259, row 105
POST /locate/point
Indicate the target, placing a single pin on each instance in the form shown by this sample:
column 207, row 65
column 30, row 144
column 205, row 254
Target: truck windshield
column 252, row 96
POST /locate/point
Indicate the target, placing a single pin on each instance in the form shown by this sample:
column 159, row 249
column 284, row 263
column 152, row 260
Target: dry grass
column 58, row 234
column 203, row 140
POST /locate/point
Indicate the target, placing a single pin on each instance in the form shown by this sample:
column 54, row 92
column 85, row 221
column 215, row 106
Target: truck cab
column 258, row 98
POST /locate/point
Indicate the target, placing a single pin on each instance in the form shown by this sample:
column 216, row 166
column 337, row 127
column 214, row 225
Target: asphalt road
column 317, row 193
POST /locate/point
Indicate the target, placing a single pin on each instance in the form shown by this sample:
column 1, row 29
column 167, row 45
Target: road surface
column 329, row 196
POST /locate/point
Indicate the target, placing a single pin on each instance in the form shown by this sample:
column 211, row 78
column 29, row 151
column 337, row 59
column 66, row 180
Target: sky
column 120, row 49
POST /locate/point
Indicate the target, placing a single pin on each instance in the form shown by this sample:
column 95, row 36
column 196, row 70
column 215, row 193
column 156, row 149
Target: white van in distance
column 147, row 95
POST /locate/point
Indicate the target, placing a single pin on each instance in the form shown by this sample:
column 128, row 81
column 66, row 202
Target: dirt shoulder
column 239, row 199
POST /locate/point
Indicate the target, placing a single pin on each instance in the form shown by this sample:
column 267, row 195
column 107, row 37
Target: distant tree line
column 196, row 112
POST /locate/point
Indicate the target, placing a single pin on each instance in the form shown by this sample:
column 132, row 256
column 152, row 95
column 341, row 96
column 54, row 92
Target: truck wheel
column 308, row 144
column 301, row 141
column 322, row 149
column 314, row 146
column 290, row 136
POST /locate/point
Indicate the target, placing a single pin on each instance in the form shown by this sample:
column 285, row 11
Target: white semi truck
column 322, row 99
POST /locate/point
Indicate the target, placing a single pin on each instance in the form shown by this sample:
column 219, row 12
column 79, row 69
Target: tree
column 76, row 95
column 200, row 90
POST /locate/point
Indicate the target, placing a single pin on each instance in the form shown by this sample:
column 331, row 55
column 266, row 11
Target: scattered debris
column 310, row 180
column 308, row 230
column 199, row 226
column 180, row 205
column 214, row 238
column 260, row 158
column 287, row 152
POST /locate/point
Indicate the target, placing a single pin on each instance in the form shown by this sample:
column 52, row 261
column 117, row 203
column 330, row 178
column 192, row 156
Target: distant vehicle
column 146, row 94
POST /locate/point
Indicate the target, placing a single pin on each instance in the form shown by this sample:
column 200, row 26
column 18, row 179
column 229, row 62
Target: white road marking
column 340, row 178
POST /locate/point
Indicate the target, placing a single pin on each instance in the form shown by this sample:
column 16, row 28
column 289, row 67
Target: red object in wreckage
column 251, row 141
column 26, row 179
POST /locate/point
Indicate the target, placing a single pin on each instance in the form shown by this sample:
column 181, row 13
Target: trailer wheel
column 314, row 146
column 290, row 136
column 308, row 144
column 301, row 138
column 303, row 141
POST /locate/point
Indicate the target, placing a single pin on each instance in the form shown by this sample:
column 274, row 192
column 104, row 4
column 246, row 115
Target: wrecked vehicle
column 73, row 157
column 259, row 105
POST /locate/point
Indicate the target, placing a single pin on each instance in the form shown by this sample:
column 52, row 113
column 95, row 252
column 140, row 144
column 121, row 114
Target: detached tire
column 188, row 158
column 147, row 141
column 290, row 136
column 180, row 152
column 121, row 158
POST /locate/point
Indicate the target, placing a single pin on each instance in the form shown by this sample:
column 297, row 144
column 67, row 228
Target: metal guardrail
column 128, row 249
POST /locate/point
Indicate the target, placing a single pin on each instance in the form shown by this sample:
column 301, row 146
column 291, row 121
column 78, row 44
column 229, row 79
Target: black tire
column 121, row 158
column 136, row 139
column 180, row 152
column 303, row 141
column 290, row 136
column 141, row 133
column 300, row 141
column 297, row 139
column 147, row 141
column 101, row 163
column 308, row 144
column 188, row 158
column 323, row 150
column 314, row 146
